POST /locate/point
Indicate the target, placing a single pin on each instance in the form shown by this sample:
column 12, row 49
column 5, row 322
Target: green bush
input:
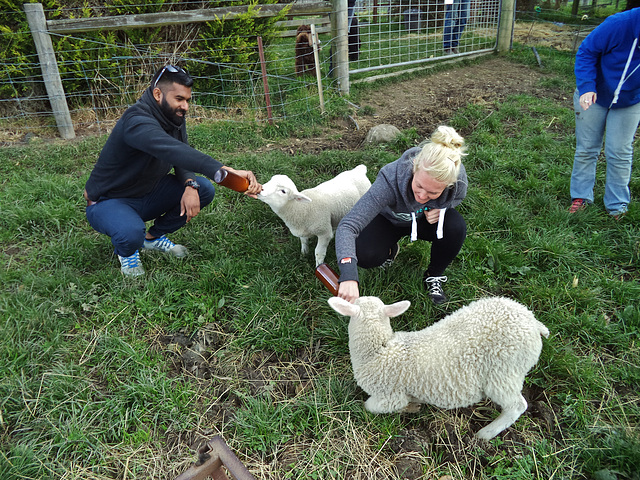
column 108, row 59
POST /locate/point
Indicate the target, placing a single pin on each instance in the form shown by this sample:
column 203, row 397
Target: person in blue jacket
column 607, row 106
column 145, row 172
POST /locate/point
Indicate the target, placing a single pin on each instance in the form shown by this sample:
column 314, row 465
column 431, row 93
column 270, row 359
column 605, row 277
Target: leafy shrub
column 112, row 61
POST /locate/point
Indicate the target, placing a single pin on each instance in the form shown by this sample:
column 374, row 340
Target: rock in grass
column 384, row 133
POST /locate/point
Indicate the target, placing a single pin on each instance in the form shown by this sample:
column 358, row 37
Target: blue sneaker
column 164, row 245
column 131, row 266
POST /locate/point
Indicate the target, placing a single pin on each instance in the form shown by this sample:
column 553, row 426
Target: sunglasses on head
column 169, row 68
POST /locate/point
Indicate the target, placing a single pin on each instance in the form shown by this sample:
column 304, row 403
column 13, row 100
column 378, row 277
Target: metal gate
column 384, row 34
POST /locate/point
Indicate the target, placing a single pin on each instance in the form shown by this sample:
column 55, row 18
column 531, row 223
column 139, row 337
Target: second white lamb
column 483, row 350
column 315, row 212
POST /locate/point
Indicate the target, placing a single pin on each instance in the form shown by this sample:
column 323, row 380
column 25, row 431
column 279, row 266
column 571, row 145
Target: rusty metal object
column 211, row 458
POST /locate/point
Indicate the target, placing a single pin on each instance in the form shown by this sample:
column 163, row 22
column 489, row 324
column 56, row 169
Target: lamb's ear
column 396, row 309
column 343, row 307
column 301, row 197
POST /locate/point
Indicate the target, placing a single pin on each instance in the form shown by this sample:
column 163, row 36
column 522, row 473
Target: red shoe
column 577, row 204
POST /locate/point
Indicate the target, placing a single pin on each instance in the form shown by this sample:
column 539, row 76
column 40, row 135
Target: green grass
column 96, row 385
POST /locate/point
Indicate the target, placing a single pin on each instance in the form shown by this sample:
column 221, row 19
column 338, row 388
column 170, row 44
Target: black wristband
column 192, row 184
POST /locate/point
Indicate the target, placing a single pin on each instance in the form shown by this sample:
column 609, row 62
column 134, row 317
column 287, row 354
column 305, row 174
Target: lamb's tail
column 544, row 331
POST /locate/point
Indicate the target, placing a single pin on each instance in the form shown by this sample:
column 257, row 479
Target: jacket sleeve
column 588, row 56
column 183, row 174
column 146, row 135
column 365, row 210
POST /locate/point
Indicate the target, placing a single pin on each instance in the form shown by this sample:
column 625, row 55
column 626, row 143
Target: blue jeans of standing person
column 123, row 219
column 617, row 127
column 455, row 20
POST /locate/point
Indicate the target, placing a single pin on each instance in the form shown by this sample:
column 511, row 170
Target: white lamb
column 482, row 350
column 315, row 211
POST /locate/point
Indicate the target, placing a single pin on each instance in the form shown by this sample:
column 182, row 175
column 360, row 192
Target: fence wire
column 98, row 90
column 103, row 76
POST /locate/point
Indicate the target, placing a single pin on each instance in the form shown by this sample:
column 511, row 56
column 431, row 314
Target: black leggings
column 376, row 239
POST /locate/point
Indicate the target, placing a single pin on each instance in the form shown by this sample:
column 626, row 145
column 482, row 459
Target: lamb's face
column 278, row 191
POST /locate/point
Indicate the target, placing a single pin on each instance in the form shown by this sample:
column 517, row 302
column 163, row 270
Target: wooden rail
column 145, row 20
column 323, row 25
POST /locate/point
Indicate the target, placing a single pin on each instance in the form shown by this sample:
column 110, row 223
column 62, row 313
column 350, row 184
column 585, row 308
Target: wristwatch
column 192, row 184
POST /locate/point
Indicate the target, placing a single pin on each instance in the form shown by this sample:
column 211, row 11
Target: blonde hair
column 442, row 156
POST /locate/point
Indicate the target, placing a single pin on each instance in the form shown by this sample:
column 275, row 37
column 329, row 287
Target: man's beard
column 172, row 114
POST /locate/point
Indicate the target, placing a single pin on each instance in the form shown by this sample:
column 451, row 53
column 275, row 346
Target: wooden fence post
column 50, row 73
column 265, row 80
column 340, row 42
column 316, row 61
column 505, row 27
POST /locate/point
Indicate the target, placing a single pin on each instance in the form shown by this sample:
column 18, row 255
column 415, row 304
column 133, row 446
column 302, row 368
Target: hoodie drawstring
column 439, row 230
column 624, row 76
column 414, row 227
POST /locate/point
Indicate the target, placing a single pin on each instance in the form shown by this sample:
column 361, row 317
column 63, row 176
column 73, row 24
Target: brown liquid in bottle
column 328, row 277
column 231, row 180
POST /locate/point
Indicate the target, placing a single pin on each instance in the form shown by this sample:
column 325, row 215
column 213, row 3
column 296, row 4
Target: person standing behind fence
column 607, row 102
column 414, row 196
column 455, row 20
column 131, row 183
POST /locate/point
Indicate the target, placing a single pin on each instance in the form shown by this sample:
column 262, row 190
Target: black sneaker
column 434, row 288
column 393, row 253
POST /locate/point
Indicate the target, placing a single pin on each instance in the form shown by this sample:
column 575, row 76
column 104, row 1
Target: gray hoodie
column 392, row 197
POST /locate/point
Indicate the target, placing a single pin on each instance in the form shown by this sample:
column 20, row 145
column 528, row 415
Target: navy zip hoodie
column 143, row 147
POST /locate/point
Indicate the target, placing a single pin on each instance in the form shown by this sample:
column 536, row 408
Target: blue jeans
column 619, row 125
column 123, row 219
column 455, row 20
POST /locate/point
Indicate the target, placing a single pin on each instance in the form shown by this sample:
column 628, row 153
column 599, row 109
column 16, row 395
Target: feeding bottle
column 327, row 276
column 231, row 180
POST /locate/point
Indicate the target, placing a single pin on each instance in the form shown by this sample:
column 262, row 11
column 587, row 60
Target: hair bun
column 448, row 137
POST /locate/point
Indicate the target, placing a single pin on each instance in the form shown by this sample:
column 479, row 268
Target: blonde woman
column 413, row 196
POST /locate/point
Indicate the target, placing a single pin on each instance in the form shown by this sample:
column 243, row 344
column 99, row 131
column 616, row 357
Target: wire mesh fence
column 553, row 28
column 103, row 74
column 397, row 35
column 101, row 77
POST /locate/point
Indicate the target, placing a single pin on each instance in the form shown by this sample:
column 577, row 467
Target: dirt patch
column 424, row 103
column 427, row 102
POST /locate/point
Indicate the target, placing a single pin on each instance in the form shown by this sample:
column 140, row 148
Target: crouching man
column 145, row 173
